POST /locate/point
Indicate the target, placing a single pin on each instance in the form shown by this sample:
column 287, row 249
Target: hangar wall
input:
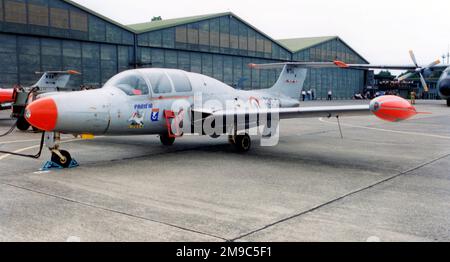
column 39, row 35
column 220, row 45
column 343, row 83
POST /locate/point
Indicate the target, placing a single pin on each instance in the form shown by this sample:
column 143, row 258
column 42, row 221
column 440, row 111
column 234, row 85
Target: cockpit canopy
column 131, row 83
column 160, row 81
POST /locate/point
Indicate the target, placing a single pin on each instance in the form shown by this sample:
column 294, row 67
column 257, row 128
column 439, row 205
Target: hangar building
column 40, row 35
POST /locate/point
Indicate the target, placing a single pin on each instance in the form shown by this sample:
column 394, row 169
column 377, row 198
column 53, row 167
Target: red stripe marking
column 170, row 97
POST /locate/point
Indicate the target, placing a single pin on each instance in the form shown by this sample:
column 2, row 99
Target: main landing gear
column 166, row 139
column 60, row 158
column 241, row 142
column 22, row 124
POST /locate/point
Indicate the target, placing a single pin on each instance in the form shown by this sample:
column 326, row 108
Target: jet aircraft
column 172, row 102
column 6, row 98
column 19, row 97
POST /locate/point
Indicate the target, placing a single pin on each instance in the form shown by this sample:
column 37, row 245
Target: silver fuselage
column 113, row 111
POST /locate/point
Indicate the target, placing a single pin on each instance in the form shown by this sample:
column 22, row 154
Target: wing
column 297, row 64
column 300, row 112
column 388, row 108
column 240, row 120
column 368, row 66
column 393, row 67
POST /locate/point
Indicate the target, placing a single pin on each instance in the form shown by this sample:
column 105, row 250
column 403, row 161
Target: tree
column 386, row 73
column 156, row 18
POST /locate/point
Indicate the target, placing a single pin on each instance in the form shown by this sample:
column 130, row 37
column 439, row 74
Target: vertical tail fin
column 290, row 82
column 54, row 80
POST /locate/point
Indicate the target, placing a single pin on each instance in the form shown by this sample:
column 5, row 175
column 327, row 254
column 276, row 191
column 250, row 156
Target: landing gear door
column 179, row 118
column 181, row 104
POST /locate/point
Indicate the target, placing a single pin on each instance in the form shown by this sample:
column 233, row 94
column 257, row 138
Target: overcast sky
column 382, row 31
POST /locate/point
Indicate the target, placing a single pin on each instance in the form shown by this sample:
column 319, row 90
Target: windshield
column 131, row 83
column 160, row 82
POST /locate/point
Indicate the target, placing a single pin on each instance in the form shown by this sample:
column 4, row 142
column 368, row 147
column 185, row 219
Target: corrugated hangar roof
column 82, row 7
column 293, row 44
column 298, row 44
column 162, row 24
column 167, row 23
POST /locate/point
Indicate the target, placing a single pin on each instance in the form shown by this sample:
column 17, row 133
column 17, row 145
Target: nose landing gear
column 60, row 158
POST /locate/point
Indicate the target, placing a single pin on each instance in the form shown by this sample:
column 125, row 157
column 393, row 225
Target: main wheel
column 242, row 143
column 166, row 140
column 62, row 162
column 448, row 102
column 35, row 129
column 231, row 139
column 22, row 124
column 214, row 136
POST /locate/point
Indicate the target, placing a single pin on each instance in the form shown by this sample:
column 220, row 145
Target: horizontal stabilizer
column 294, row 64
column 340, row 64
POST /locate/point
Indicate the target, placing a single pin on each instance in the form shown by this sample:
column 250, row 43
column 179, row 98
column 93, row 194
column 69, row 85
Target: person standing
column 313, row 94
column 303, row 95
column 309, row 94
column 330, row 95
column 413, row 97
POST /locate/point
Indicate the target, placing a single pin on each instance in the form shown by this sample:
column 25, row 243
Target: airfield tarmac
column 382, row 182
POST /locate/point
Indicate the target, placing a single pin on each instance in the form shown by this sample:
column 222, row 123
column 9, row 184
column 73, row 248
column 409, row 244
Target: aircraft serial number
column 245, row 252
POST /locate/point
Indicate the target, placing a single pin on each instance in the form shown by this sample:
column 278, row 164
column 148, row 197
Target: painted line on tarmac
column 116, row 211
column 19, row 141
column 387, row 130
column 24, row 141
column 32, row 147
column 42, row 172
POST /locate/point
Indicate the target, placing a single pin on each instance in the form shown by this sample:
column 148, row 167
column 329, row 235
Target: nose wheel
column 62, row 158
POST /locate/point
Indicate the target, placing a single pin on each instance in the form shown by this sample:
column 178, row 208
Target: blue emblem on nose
column 155, row 115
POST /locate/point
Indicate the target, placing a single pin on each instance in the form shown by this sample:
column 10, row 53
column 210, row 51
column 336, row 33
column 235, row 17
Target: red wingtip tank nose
column 6, row 95
column 340, row 64
column 42, row 114
column 392, row 108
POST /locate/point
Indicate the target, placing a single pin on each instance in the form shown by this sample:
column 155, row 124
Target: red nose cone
column 6, row 95
column 42, row 114
column 392, row 108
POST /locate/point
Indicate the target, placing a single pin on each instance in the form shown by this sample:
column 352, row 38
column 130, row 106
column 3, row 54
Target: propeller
column 419, row 70
column 413, row 58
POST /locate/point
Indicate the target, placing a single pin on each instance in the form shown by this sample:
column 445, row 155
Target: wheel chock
column 73, row 163
column 50, row 165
